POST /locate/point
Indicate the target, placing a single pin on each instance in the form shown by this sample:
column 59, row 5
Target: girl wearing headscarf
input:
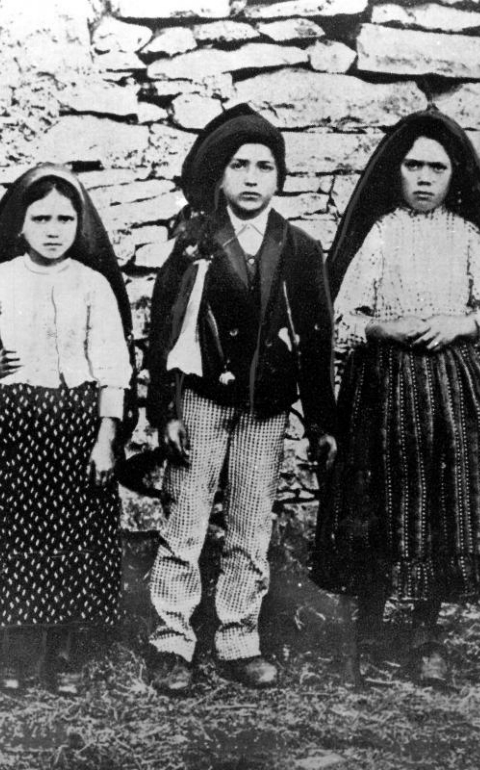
column 403, row 515
column 64, row 369
column 240, row 318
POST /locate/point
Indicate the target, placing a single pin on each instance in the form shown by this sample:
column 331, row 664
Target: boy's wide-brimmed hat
column 218, row 142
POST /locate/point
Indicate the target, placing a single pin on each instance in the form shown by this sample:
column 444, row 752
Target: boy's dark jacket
column 239, row 329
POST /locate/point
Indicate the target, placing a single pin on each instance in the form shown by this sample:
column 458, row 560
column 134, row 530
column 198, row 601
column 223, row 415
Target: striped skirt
column 59, row 552
column 403, row 504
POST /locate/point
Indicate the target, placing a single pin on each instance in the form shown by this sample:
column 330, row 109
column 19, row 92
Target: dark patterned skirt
column 59, row 550
column 403, row 505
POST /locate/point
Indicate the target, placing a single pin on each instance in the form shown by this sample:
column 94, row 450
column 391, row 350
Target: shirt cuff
column 111, row 402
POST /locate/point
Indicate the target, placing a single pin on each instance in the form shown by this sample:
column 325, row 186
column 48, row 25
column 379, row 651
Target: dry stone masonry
column 118, row 89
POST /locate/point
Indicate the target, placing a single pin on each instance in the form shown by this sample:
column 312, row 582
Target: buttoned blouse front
column 63, row 323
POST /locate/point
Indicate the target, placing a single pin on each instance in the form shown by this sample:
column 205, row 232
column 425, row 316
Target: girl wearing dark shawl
column 64, row 371
column 403, row 514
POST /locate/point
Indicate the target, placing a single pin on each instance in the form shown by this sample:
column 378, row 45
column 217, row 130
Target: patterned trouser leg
column 254, row 462
column 175, row 585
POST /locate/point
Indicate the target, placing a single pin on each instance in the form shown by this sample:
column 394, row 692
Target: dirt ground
column 308, row 722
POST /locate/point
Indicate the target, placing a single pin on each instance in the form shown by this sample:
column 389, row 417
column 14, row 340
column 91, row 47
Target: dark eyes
column 236, row 165
column 416, row 165
column 40, row 218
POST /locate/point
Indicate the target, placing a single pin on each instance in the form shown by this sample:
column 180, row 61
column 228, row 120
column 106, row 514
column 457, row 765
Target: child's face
column 250, row 180
column 50, row 228
column 425, row 173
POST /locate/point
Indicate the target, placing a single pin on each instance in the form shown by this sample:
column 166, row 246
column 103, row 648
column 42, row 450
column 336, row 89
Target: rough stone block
column 321, row 152
column 153, row 255
column 224, row 32
column 119, row 62
column 302, row 183
column 139, row 290
column 112, row 177
column 139, row 512
column 432, row 16
column 321, row 228
column 211, row 62
column 158, row 209
column 131, row 193
column 330, row 56
column 171, row 9
column 343, row 188
column 409, row 52
column 306, row 8
column 149, row 234
column 96, row 96
column 291, row 29
column 217, row 86
column 52, row 38
column 151, row 113
column 167, row 150
column 89, row 140
column 193, row 112
column 462, row 104
column 300, row 206
column 114, row 35
column 300, row 99
column 170, row 42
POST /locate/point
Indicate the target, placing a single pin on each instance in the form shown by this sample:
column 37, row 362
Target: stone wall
column 119, row 88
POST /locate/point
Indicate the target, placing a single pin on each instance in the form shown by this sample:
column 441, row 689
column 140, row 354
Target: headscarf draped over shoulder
column 378, row 189
column 92, row 247
column 215, row 146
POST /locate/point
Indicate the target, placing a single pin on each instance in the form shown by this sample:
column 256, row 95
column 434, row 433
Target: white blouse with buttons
column 64, row 324
column 411, row 263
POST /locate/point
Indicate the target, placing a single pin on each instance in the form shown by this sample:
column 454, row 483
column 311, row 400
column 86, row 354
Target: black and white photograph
column 240, row 385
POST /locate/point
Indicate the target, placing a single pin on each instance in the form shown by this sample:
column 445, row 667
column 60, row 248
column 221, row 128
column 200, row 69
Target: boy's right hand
column 175, row 440
column 9, row 362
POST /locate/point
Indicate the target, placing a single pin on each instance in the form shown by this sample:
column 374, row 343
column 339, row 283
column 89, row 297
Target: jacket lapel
column 271, row 252
column 269, row 259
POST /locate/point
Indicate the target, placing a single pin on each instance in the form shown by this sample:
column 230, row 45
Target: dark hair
column 437, row 133
column 378, row 190
column 43, row 187
column 216, row 145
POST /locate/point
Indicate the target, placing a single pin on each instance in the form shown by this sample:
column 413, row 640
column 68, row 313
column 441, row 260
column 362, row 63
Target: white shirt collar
column 258, row 223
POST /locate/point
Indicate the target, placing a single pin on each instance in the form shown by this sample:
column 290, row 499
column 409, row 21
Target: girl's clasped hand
column 430, row 334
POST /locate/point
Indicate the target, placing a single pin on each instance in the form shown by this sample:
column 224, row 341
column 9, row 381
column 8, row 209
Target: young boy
column 241, row 322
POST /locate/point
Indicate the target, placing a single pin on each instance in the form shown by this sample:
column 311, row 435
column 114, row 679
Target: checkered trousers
column 254, row 449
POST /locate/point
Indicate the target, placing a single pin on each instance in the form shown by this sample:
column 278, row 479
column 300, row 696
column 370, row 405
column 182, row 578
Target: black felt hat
column 218, row 142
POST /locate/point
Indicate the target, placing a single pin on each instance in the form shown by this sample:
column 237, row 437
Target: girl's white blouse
column 64, row 324
column 411, row 263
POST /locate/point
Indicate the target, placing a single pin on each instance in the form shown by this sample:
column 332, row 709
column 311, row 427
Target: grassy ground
column 308, row 722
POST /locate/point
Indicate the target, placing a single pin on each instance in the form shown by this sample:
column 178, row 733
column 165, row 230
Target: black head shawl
column 92, row 246
column 215, row 146
column 378, row 190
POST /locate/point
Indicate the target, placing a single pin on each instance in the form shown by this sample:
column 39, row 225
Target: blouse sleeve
column 357, row 298
column 107, row 349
